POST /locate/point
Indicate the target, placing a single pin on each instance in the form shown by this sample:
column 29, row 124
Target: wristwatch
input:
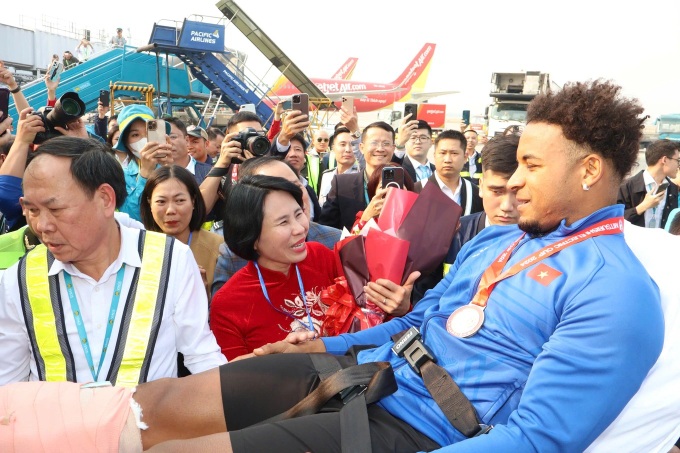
column 357, row 133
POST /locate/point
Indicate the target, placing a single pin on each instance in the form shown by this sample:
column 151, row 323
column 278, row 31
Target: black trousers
column 257, row 389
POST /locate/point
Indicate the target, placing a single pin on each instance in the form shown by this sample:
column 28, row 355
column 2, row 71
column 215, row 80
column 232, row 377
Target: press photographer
column 63, row 116
column 254, row 141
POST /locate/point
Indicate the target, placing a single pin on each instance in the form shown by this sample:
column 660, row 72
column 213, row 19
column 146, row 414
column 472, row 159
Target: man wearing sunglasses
column 314, row 166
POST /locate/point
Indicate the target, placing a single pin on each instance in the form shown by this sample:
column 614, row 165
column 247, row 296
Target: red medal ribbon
column 492, row 275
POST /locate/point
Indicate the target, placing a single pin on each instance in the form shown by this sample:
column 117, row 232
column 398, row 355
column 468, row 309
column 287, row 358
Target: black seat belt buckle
column 352, row 392
column 483, row 429
column 412, row 349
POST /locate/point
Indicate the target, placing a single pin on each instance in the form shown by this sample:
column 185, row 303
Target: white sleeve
column 193, row 336
column 14, row 343
column 125, row 220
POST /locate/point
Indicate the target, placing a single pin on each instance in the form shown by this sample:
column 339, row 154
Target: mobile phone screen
column 104, row 97
column 4, row 103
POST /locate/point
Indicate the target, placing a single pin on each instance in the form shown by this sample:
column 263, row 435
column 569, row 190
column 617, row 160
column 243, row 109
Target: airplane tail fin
column 417, row 67
column 345, row 71
column 277, row 86
column 419, row 84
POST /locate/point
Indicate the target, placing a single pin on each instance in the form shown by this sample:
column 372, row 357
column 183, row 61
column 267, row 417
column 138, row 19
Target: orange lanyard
column 468, row 319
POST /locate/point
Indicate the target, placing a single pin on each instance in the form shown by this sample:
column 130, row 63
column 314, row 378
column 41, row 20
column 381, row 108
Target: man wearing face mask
column 142, row 156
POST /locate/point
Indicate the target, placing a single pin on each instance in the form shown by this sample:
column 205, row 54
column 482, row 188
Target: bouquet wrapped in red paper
column 413, row 233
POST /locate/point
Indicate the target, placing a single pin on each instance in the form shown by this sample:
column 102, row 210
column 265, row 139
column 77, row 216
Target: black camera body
column 254, row 141
column 68, row 108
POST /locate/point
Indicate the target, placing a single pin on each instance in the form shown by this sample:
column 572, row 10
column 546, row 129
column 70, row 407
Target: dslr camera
column 68, row 108
column 253, row 141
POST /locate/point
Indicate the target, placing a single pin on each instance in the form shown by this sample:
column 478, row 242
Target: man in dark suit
column 415, row 161
column 348, row 194
column 645, row 204
column 449, row 157
column 472, row 169
column 499, row 162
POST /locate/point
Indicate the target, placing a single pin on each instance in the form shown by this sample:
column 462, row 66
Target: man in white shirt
column 449, row 158
column 650, row 195
column 415, row 161
column 346, row 162
column 118, row 40
column 97, row 302
column 472, row 169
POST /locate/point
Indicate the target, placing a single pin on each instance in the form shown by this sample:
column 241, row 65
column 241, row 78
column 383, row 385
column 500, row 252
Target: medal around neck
column 465, row 321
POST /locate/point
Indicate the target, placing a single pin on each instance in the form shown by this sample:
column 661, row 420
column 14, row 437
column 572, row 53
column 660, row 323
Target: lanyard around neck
column 494, row 273
column 75, row 308
column 366, row 188
column 302, row 294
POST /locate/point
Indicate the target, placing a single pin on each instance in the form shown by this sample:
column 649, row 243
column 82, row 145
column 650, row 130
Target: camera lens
column 70, row 107
column 296, row 98
column 259, row 146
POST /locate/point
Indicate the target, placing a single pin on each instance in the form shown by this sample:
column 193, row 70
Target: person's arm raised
column 229, row 150
column 7, row 78
column 28, row 126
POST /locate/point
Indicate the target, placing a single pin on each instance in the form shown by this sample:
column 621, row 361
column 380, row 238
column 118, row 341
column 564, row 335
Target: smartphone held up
column 155, row 132
column 4, row 106
column 301, row 102
column 393, row 177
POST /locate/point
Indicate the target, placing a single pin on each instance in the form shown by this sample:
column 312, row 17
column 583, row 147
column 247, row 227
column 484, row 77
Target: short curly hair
column 594, row 115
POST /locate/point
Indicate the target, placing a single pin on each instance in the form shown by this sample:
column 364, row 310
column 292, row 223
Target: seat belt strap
column 457, row 408
column 356, row 386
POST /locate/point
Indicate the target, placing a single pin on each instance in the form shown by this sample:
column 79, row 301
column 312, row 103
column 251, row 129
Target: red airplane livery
column 369, row 96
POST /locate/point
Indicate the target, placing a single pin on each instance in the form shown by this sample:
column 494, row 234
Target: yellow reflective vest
column 142, row 314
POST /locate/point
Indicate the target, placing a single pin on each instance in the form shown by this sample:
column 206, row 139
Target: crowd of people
column 179, row 283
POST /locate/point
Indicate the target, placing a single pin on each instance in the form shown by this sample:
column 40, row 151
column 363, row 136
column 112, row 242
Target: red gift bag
column 429, row 225
column 398, row 203
column 385, row 256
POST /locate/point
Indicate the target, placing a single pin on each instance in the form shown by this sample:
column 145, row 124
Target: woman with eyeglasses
column 279, row 291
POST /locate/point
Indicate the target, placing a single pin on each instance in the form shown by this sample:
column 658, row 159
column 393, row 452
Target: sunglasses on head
column 321, row 139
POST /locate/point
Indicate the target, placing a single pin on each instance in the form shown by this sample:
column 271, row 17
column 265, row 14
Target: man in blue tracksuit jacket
column 571, row 327
column 553, row 364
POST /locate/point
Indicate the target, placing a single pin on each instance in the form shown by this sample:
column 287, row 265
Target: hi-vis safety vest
column 142, row 314
column 465, row 172
column 313, row 169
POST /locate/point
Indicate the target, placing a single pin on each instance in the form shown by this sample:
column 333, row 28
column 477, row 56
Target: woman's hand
column 393, row 299
column 286, row 346
column 204, row 274
column 374, row 208
column 300, row 336
column 154, row 154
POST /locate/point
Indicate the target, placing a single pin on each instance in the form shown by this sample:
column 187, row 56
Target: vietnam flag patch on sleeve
column 543, row 274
